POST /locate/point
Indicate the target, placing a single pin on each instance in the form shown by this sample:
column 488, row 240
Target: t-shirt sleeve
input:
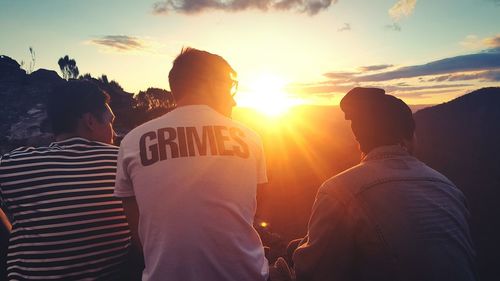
column 123, row 184
column 261, row 164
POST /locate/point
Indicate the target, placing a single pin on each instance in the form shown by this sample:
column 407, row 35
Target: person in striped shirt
column 67, row 225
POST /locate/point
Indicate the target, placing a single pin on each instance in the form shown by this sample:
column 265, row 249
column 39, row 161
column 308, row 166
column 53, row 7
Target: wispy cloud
column 121, row 43
column 493, row 42
column 134, row 45
column 402, row 90
column 485, row 76
column 311, row 7
column 344, row 76
column 393, row 26
column 403, row 8
column 374, row 67
column 396, row 88
column 345, row 27
column 473, row 62
column 474, row 42
column 471, row 41
column 417, row 83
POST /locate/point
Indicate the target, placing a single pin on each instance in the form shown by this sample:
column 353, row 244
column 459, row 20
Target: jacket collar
column 387, row 151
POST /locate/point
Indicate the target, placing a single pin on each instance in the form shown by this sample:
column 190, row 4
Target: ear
column 89, row 121
column 410, row 144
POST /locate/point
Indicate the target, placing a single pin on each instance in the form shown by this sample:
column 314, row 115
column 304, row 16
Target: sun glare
column 267, row 94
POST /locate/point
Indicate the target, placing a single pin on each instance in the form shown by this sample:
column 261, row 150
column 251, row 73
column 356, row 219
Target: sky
column 285, row 51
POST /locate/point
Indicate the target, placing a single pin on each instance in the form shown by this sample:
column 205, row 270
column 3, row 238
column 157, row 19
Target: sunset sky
column 289, row 51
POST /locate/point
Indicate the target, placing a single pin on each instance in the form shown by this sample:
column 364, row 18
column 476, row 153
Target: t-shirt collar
column 193, row 107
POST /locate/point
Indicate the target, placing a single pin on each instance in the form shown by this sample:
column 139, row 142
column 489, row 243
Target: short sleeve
column 123, row 184
column 261, row 164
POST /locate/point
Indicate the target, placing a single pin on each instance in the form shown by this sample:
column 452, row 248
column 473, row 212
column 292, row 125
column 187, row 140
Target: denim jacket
column 389, row 218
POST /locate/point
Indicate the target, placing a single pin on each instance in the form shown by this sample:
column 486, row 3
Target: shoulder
column 8, row 158
column 437, row 175
column 24, row 151
column 67, row 149
column 347, row 183
column 249, row 133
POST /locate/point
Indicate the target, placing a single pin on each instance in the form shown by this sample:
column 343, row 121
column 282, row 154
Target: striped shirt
column 66, row 222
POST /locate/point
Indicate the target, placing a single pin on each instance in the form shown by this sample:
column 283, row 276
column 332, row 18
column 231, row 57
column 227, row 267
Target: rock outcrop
column 23, row 97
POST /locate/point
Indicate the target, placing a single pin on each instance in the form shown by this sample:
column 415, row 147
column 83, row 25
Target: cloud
column 403, row 8
column 345, row 27
column 311, row 7
column 345, row 76
column 485, row 76
column 323, row 89
column 487, row 60
column 374, row 67
column 399, row 89
column 473, row 42
column 394, row 26
column 493, row 42
column 120, row 42
column 439, row 78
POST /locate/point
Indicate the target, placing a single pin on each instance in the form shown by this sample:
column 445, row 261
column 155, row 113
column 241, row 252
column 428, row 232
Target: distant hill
column 461, row 139
column 303, row 149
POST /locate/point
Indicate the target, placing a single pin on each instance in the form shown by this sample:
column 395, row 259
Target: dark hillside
column 460, row 138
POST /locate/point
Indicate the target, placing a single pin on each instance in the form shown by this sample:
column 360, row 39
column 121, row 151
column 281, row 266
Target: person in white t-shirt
column 189, row 179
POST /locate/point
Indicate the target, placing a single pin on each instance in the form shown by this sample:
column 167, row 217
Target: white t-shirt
column 194, row 174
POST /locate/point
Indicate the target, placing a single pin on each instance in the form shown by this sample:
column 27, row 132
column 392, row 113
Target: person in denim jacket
column 391, row 217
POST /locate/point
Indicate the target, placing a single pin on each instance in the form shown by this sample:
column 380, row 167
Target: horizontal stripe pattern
column 67, row 223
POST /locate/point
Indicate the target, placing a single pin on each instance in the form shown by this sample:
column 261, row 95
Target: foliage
column 32, row 61
column 31, row 66
column 153, row 103
column 68, row 68
column 154, row 98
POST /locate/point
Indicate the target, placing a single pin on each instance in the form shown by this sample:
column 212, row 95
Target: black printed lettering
column 170, row 141
column 153, row 149
column 178, row 142
column 237, row 135
column 181, row 134
column 221, row 139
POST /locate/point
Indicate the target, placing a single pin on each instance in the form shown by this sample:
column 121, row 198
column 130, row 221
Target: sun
column 266, row 93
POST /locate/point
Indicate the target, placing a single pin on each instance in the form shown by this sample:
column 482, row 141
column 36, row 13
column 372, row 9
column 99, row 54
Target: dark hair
column 377, row 119
column 193, row 68
column 70, row 100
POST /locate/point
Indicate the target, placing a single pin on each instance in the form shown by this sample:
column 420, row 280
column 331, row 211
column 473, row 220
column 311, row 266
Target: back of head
column 377, row 118
column 193, row 70
column 68, row 102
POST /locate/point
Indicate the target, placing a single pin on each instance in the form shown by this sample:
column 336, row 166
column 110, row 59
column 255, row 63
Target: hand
column 280, row 271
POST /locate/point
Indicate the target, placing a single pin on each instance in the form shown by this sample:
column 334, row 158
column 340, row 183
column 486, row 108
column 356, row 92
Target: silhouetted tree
column 85, row 76
column 68, row 67
column 32, row 61
column 155, row 99
column 104, row 79
column 31, row 66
